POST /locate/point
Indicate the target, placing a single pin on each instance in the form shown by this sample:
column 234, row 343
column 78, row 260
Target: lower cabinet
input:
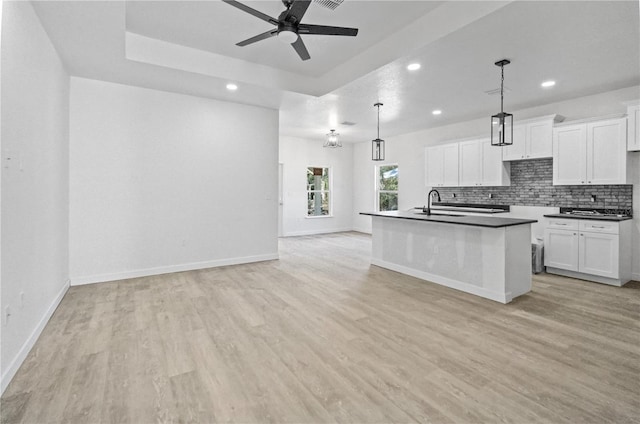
column 589, row 249
column 561, row 249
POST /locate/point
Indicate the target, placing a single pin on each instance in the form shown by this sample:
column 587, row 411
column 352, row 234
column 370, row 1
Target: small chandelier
column 377, row 145
column 502, row 123
column 332, row 140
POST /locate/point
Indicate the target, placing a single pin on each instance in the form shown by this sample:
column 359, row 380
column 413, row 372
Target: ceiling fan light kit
column 377, row 145
column 502, row 123
column 289, row 28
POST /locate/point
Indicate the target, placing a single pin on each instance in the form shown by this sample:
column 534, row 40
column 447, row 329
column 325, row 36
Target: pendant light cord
column 378, row 121
column 502, row 90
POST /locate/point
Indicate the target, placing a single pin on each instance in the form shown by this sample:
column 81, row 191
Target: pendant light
column 332, row 140
column 377, row 145
column 502, row 123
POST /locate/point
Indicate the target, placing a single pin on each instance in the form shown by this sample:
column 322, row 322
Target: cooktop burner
column 595, row 212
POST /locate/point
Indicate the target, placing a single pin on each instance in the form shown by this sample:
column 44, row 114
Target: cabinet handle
column 596, row 226
column 589, row 182
column 582, row 182
column 560, row 224
column 575, row 234
column 582, row 235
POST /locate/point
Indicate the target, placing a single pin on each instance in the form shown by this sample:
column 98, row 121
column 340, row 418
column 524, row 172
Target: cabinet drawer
column 563, row 224
column 599, row 227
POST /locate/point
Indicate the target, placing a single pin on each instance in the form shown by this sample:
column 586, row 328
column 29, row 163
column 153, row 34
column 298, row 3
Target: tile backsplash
column 532, row 185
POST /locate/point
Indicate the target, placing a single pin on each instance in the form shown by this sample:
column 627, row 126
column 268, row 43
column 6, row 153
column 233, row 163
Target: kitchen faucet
column 427, row 209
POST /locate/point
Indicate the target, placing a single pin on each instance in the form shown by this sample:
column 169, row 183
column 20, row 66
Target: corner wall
column 295, row 156
column 35, row 183
column 163, row 182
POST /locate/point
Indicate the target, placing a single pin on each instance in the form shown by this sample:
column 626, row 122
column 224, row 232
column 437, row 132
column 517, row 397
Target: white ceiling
column 189, row 47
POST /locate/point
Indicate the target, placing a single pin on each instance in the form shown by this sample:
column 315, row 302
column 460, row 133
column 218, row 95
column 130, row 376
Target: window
column 318, row 192
column 387, row 187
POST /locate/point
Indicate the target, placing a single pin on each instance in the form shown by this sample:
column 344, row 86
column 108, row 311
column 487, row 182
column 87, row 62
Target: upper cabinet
column 633, row 129
column 464, row 164
column 470, row 162
column 532, row 139
column 481, row 164
column 441, row 165
column 590, row 153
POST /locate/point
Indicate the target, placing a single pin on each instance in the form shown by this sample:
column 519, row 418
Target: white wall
column 35, row 117
column 408, row 152
column 163, row 182
column 296, row 155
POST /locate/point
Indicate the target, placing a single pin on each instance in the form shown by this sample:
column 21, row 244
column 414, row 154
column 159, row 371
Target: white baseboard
column 12, row 369
column 315, row 232
column 101, row 278
column 362, row 230
column 444, row 281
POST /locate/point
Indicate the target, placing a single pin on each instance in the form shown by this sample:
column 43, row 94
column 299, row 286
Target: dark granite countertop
column 478, row 221
column 590, row 217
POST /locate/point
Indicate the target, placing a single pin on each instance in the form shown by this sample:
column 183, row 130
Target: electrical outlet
column 7, row 314
column 11, row 160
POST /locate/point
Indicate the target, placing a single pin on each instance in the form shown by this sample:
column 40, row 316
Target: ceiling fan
column 288, row 26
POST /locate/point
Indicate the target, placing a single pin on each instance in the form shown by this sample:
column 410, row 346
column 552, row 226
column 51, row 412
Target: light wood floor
column 321, row 336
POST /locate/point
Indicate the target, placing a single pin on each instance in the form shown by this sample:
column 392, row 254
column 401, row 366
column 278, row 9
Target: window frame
column 378, row 191
column 329, row 191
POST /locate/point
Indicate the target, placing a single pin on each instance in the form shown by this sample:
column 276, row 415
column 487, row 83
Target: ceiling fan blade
column 258, row 37
column 252, row 11
column 297, row 10
column 326, row 30
column 301, row 49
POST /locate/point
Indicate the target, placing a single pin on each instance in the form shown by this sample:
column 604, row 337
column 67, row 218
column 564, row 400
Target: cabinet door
column 494, row 172
column 470, row 163
column 517, row 150
column 434, row 166
column 539, row 140
column 561, row 249
column 607, row 152
column 599, row 254
column 569, row 155
column 450, row 163
column 633, row 137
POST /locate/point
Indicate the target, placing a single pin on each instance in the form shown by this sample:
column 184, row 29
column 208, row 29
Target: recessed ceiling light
column 413, row 67
column 437, row 112
column 232, row 87
column 548, row 84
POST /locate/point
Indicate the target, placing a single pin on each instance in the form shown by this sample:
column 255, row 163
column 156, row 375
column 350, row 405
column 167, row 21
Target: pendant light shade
column 377, row 145
column 502, row 123
column 333, row 140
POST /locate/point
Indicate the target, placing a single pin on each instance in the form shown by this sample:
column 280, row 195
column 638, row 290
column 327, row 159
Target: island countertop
column 477, row 221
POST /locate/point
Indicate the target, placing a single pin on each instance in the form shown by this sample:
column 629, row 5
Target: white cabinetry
column 532, row 139
column 480, row 164
column 590, row 153
column 441, row 165
column 561, row 244
column 470, row 163
column 589, row 249
column 633, row 130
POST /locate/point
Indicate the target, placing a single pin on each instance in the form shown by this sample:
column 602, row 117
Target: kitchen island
column 482, row 255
